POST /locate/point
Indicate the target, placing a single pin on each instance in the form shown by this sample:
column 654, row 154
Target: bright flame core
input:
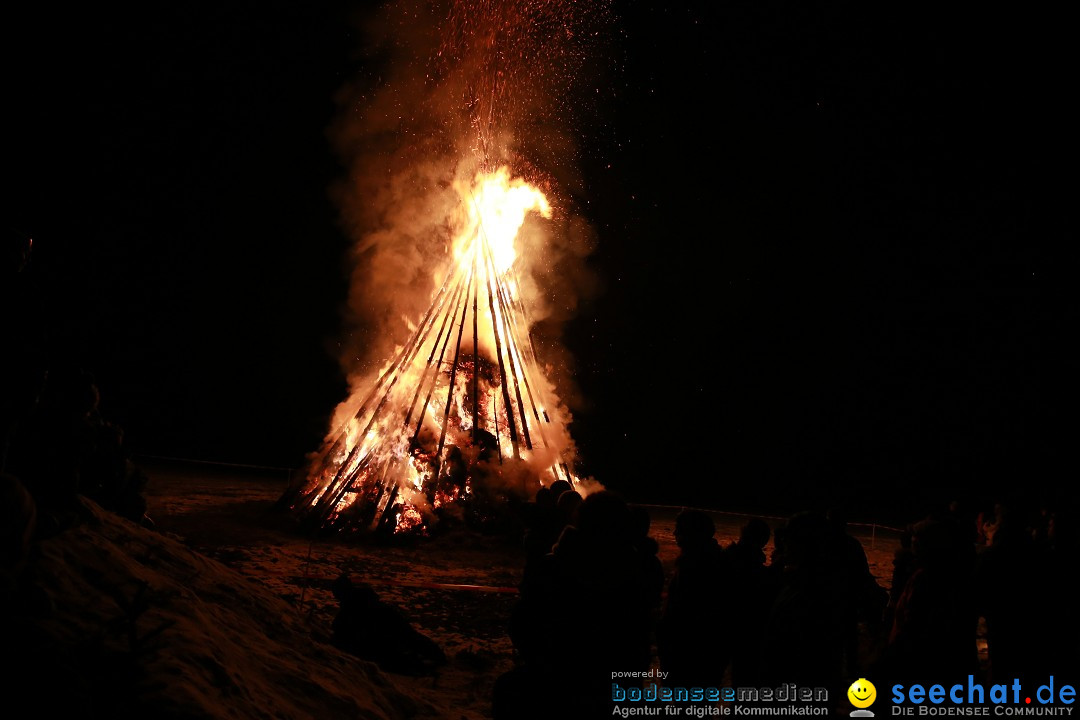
column 496, row 207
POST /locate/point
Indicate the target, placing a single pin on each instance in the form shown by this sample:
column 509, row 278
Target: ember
column 460, row 420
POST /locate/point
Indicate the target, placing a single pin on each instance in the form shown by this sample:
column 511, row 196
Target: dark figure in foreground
column 903, row 566
column 541, row 525
column 1025, row 598
column 693, row 647
column 583, row 613
column 371, row 629
column 66, row 448
column 935, row 618
column 752, row 588
column 803, row 640
column 864, row 601
column 648, row 550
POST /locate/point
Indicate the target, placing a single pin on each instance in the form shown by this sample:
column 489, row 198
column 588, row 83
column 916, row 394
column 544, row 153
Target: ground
column 458, row 588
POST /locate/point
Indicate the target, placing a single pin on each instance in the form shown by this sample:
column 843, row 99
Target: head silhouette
column 693, row 528
column 604, row 514
column 755, row 533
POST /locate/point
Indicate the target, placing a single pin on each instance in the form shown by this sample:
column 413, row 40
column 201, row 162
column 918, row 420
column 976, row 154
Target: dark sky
column 819, row 237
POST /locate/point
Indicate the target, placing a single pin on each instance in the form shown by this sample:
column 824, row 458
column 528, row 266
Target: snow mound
column 131, row 622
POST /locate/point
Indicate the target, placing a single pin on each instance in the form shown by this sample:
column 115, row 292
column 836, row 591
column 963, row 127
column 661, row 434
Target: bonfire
column 460, row 418
column 456, row 424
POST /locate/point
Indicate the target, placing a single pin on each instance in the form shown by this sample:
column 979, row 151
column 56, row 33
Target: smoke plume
column 453, row 88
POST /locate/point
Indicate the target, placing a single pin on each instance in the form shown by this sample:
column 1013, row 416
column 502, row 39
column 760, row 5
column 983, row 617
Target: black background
column 821, row 239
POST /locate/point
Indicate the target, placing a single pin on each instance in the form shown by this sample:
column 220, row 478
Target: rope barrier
column 425, row 585
column 216, row 463
column 872, row 526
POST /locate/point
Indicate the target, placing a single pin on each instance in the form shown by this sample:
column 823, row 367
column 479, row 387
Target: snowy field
column 458, row 588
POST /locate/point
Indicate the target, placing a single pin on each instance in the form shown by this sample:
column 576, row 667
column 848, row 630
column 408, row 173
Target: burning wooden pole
column 476, row 358
column 451, row 311
column 453, row 374
column 510, row 423
column 507, row 311
column 509, row 356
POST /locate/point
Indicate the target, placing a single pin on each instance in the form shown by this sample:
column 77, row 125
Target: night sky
column 820, row 241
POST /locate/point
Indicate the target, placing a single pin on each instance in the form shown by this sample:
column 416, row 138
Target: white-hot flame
column 496, row 206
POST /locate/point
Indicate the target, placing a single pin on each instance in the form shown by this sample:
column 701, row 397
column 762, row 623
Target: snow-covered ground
column 228, row 607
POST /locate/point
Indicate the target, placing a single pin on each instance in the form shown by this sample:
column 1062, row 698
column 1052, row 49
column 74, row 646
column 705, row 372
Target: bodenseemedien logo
column 862, row 694
column 653, row 700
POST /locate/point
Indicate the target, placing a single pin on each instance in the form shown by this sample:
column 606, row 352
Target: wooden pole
column 453, row 374
column 509, row 351
column 451, row 310
column 512, row 426
column 475, row 352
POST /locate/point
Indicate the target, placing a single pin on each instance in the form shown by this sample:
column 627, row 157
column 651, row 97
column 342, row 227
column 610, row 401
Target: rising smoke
column 452, row 88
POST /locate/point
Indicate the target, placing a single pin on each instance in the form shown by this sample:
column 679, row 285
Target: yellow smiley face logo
column 862, row 693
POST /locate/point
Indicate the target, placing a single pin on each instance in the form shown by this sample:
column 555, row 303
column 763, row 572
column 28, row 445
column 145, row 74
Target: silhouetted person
column 751, row 590
column 1062, row 564
column 648, row 549
column 595, row 564
column 559, row 487
column 903, row 566
column 581, row 615
column 778, row 558
column 567, row 507
column 542, row 526
column 66, row 448
column 1013, row 577
column 371, row 629
column 107, row 475
column 934, row 622
column 966, row 516
column 48, row 451
column 863, row 601
column 748, row 552
column 551, row 526
column 543, row 530
column 803, row 639
column 690, row 640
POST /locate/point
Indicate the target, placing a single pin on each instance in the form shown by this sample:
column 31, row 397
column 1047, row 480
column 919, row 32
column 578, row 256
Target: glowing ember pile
column 459, row 417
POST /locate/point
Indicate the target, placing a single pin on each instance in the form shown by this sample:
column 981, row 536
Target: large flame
column 496, row 210
column 463, row 393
